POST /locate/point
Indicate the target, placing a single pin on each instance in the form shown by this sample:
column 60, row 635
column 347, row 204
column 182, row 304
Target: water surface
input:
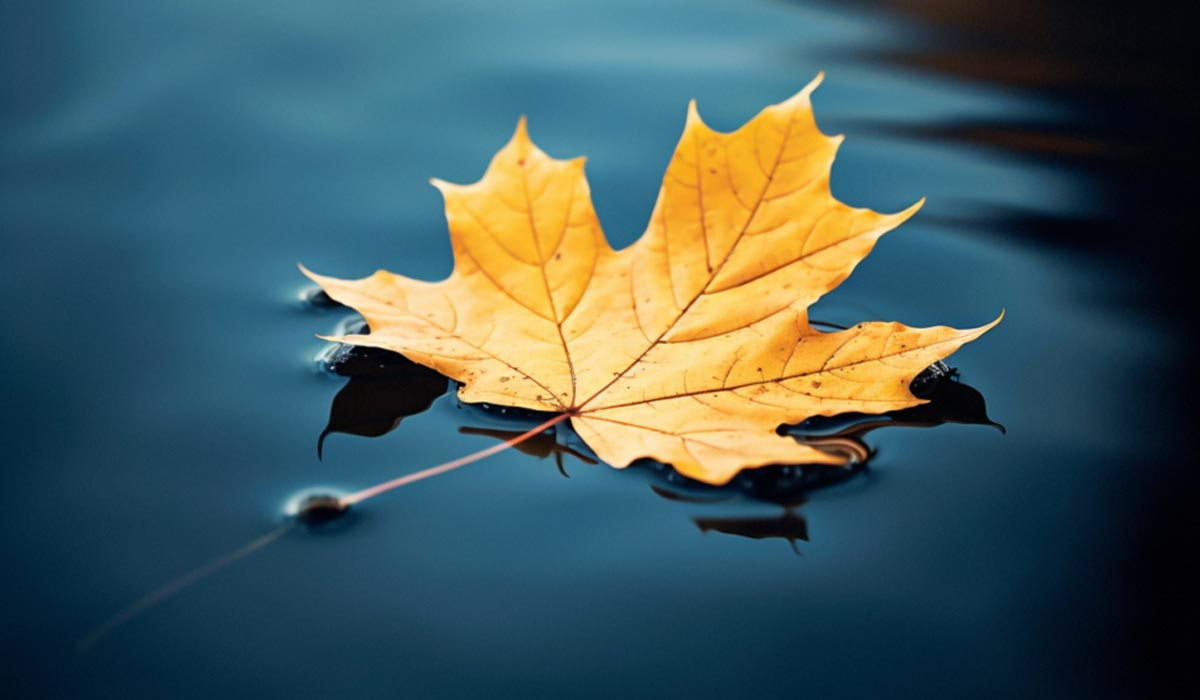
column 165, row 166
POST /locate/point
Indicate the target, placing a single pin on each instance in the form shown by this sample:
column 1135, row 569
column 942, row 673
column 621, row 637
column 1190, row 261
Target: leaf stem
column 371, row 492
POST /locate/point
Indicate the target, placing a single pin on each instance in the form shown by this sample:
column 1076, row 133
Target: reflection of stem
column 158, row 595
column 373, row 491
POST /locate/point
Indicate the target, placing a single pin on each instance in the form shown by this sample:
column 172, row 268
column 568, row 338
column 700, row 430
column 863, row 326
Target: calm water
column 165, row 166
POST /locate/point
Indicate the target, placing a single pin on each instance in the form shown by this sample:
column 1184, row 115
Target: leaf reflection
column 540, row 446
column 789, row 526
column 384, row 388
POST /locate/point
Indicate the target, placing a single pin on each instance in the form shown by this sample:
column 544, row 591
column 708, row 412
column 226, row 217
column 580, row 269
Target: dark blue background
column 165, row 165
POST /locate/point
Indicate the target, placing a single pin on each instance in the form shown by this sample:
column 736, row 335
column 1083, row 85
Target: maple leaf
column 691, row 346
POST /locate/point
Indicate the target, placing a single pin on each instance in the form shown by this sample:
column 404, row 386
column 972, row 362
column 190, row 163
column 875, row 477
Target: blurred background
column 164, row 166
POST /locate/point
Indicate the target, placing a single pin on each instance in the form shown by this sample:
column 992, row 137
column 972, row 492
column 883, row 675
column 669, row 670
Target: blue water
column 166, row 165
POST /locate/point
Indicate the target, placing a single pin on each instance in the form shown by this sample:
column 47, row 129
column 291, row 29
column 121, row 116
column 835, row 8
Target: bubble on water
column 317, row 507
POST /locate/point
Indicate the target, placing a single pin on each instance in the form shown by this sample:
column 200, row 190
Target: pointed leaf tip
column 311, row 275
column 906, row 214
column 521, row 133
column 814, row 83
column 804, row 96
column 693, row 115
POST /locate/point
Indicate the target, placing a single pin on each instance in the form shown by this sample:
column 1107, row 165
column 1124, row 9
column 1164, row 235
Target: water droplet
column 317, row 508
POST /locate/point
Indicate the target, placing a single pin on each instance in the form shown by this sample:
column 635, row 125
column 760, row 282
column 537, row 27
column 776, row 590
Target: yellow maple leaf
column 691, row 346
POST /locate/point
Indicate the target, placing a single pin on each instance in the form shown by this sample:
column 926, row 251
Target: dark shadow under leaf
column 384, row 388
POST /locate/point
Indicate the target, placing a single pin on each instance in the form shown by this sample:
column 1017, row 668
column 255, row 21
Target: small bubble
column 316, row 508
